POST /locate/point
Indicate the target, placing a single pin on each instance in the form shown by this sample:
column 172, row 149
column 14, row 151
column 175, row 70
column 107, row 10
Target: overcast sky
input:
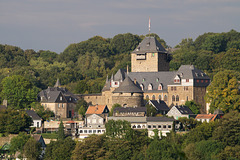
column 54, row 24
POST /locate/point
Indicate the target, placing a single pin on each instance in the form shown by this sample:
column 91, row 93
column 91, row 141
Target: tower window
column 165, row 98
column 177, row 98
column 173, row 98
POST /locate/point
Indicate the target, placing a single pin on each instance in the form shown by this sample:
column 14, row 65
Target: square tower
column 149, row 56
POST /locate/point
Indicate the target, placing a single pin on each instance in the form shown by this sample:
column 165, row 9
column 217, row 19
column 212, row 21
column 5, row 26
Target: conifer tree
column 61, row 134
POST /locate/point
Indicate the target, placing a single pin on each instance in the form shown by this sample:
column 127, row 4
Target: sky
column 55, row 24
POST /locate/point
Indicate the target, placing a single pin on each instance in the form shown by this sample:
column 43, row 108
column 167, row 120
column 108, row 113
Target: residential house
column 59, row 100
column 207, row 117
column 163, row 124
column 180, row 111
column 160, row 106
column 94, row 121
column 37, row 121
column 130, row 112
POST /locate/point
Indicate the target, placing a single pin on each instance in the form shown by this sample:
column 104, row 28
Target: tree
column 19, row 92
column 90, row 148
column 32, row 149
column 14, row 121
column 151, row 111
column 195, row 108
column 113, row 107
column 61, row 134
column 61, row 149
column 17, row 143
column 223, row 92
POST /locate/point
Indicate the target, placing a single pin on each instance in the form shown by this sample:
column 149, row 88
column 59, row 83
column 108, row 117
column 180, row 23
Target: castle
column 150, row 78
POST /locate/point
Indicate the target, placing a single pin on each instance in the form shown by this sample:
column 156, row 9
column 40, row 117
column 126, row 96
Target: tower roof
column 127, row 86
column 57, row 84
column 149, row 44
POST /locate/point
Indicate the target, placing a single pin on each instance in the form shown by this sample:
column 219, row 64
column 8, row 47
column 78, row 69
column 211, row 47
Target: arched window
column 160, row 87
column 165, row 98
column 177, row 98
column 187, row 98
column 153, row 97
column 150, row 87
column 160, row 97
column 173, row 98
column 142, row 86
column 147, row 97
column 134, row 126
column 138, row 126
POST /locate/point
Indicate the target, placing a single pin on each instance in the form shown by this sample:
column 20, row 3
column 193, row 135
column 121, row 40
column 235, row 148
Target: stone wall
column 163, row 64
column 185, row 93
column 128, row 99
column 199, row 93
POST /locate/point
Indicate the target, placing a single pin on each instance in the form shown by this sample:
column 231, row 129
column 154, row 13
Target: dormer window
column 60, row 98
column 70, row 99
column 142, row 86
column 157, row 79
column 137, row 49
column 150, row 87
column 143, row 79
column 148, row 44
column 177, row 79
column 160, row 87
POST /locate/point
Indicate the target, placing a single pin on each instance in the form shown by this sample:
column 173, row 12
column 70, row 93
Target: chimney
column 135, row 81
column 127, row 69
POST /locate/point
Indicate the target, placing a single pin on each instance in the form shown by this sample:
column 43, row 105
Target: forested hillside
column 83, row 67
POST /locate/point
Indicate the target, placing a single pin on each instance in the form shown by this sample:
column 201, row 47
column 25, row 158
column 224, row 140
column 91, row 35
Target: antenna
column 149, row 26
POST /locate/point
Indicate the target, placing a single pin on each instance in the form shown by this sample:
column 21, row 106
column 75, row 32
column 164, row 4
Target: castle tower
column 149, row 56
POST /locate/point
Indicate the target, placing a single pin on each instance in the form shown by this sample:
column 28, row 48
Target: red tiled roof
column 204, row 116
column 98, row 109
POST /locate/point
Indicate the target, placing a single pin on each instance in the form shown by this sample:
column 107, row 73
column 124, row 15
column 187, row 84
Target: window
column 149, row 126
column 147, row 97
column 187, row 98
column 175, row 88
column 177, row 98
column 85, row 131
column 81, row 131
column 169, row 126
column 37, row 124
column 150, row 87
column 134, row 126
column 197, row 81
column 142, row 87
column 171, row 88
column 153, row 97
column 157, row 79
column 143, row 79
column 202, row 81
column 138, row 126
column 98, row 131
column 185, row 88
column 94, row 131
column 164, row 126
column 89, row 131
column 159, row 97
column 62, row 105
column 206, row 81
column 159, row 126
column 58, row 105
column 173, row 98
column 116, row 83
column 187, row 80
column 94, row 120
column 160, row 87
column 60, row 98
column 154, row 126
column 153, row 54
column 165, row 98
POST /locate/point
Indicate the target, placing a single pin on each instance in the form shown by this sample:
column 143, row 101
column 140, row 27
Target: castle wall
column 185, row 93
column 128, row 99
column 59, row 109
column 163, row 64
column 149, row 64
column 158, row 96
column 199, row 93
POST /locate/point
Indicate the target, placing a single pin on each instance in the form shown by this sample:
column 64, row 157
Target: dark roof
column 106, row 87
column 149, row 44
column 218, row 111
column 184, row 110
column 130, row 109
column 153, row 78
column 52, row 95
column 120, row 75
column 159, row 119
column 127, row 86
column 159, row 105
column 33, row 115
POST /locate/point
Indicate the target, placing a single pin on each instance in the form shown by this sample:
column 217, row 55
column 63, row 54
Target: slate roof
column 120, row 75
column 162, row 106
column 184, row 109
column 33, row 115
column 149, row 44
column 159, row 119
column 153, row 78
column 52, row 95
column 130, row 109
column 98, row 109
column 127, row 86
column 129, row 119
column 106, row 87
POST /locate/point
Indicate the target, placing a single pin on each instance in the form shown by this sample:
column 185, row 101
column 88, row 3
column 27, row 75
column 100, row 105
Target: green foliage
column 19, row 92
column 151, row 111
column 14, row 121
column 230, row 153
column 195, row 108
column 50, row 135
column 61, row 134
column 119, row 129
column 113, row 107
column 228, row 129
column 223, row 93
column 32, row 149
column 90, row 148
column 17, row 143
column 187, row 124
column 61, row 149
